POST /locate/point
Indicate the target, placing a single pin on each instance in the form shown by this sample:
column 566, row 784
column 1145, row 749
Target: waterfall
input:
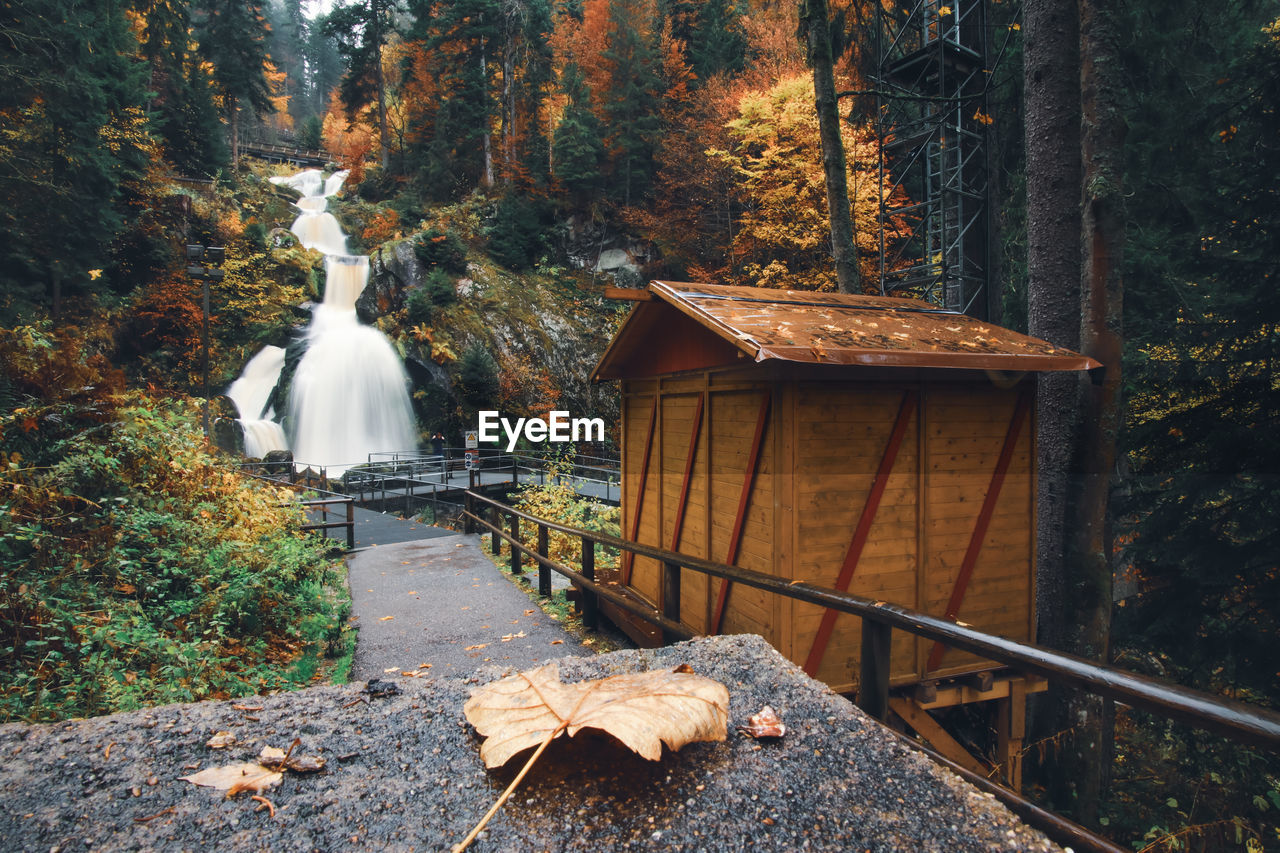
column 252, row 390
column 316, row 228
column 250, row 393
column 349, row 395
column 307, row 182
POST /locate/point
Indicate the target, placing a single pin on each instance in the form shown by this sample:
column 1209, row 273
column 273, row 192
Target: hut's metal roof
column 838, row 328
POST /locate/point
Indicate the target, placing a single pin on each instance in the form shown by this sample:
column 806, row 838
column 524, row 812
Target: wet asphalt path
column 440, row 607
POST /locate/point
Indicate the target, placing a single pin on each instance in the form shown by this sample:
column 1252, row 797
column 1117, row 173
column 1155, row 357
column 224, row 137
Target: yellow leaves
column 982, row 118
column 442, row 353
column 944, row 11
column 1228, row 134
column 94, row 275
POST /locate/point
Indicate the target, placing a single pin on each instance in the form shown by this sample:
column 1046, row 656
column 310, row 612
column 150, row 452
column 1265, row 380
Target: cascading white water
column 252, row 390
column 250, row 393
column 334, row 182
column 308, row 182
column 349, row 394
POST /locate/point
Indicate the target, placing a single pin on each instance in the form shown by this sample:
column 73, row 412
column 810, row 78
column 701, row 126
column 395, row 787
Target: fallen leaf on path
column 236, row 778
column 509, row 637
column 476, row 646
column 246, row 707
column 386, row 618
column 643, row 710
column 424, row 666
column 412, row 592
column 221, row 740
column 557, row 642
column 392, row 669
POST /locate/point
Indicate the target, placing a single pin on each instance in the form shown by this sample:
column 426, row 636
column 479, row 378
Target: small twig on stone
column 265, row 804
column 152, row 817
column 106, row 753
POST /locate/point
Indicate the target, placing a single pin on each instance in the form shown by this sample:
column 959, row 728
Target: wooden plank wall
column 964, row 433
column 823, row 445
column 842, row 432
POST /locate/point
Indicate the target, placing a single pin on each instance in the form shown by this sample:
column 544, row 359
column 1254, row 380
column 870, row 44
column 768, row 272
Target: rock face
column 403, row 773
column 392, row 269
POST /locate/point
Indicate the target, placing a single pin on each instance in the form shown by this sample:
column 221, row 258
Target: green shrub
column 477, row 381
column 444, row 249
column 441, row 288
column 515, row 233
column 419, row 306
column 139, row 569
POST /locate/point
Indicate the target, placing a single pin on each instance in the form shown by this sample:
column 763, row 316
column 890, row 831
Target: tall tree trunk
column 233, row 121
column 816, row 26
column 384, row 136
column 1101, row 337
column 488, row 145
column 1052, row 86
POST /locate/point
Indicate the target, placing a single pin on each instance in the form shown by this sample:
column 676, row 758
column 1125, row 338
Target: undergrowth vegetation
column 138, row 568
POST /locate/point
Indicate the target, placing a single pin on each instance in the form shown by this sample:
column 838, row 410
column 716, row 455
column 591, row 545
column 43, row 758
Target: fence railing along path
column 1237, row 721
column 409, row 482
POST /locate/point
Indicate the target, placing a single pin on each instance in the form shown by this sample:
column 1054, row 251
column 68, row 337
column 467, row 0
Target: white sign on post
column 473, row 439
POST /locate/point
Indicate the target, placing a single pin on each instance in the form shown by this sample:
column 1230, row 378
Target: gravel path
column 443, row 602
column 404, row 774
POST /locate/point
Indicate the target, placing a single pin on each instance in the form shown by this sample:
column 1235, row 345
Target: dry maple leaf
column 643, row 710
column 236, row 778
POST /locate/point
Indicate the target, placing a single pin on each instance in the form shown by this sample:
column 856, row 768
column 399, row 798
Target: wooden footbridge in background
column 276, row 153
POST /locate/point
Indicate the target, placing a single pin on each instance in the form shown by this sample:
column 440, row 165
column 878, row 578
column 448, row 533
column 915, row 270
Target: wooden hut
column 879, row 446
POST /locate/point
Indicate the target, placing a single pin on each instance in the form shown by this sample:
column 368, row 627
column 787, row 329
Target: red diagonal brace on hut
column 688, row 476
column 628, row 558
column 984, row 521
column 748, row 480
column 862, row 532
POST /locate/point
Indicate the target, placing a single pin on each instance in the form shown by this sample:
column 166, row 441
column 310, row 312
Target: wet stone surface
column 404, row 773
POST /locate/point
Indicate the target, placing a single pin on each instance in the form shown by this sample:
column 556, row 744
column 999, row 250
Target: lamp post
column 202, row 264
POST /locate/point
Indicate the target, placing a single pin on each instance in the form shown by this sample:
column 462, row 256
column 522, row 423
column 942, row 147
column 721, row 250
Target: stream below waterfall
column 349, row 394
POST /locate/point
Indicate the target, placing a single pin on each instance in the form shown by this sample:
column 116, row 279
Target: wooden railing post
column 469, row 504
column 544, row 573
column 351, row 525
column 670, row 598
column 873, row 680
column 589, row 612
column 515, row 552
column 495, row 544
column 515, row 470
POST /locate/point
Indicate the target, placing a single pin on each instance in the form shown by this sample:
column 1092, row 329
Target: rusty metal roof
column 838, row 328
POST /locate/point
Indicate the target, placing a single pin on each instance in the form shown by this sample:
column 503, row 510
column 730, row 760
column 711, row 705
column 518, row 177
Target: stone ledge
column 404, row 774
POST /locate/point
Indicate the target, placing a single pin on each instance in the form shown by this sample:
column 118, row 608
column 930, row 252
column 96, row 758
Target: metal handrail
column 1239, row 721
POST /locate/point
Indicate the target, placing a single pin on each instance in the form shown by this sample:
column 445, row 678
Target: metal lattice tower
column 931, row 120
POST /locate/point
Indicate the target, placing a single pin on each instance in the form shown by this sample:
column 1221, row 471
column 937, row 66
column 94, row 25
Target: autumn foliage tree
column 783, row 234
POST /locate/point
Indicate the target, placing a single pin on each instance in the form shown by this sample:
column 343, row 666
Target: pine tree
column 633, row 103
column 577, row 151
column 467, row 36
column 233, row 40
column 361, row 31
column 72, row 132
